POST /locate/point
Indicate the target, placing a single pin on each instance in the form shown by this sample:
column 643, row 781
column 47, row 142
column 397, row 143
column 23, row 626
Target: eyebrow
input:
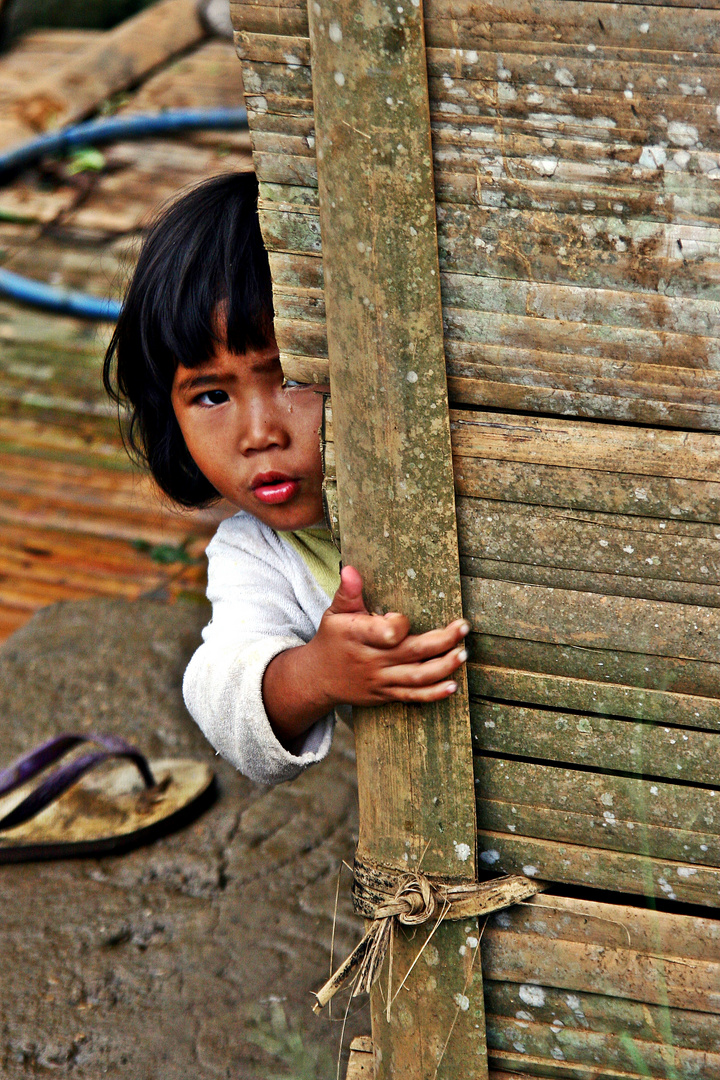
column 193, row 382
column 200, row 380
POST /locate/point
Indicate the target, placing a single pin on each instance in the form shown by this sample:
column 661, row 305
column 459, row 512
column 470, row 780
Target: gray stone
column 191, row 958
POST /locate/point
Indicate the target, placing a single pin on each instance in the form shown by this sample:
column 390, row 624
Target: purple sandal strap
column 67, row 775
column 28, row 766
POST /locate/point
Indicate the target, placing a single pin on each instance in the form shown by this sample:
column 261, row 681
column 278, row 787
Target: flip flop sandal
column 70, row 813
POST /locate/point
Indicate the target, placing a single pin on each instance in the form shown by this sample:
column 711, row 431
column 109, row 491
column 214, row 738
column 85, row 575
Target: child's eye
column 290, row 384
column 212, row 397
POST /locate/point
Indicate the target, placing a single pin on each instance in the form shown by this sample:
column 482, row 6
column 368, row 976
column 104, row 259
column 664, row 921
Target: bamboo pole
column 395, row 495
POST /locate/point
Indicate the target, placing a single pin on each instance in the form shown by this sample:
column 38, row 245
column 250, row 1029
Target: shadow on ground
column 192, row 958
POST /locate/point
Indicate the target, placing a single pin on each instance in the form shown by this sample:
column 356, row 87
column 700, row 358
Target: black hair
column 202, row 268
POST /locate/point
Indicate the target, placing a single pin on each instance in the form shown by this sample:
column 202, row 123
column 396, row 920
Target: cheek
column 309, row 421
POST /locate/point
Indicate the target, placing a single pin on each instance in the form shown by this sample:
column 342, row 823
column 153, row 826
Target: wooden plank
column 652, row 957
column 598, row 742
column 614, row 807
column 386, row 364
column 591, row 696
column 361, row 1063
column 112, row 62
column 576, row 864
column 624, row 556
column 641, row 670
column 563, row 616
column 677, row 455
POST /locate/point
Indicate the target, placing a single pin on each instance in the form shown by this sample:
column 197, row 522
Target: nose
column 263, row 428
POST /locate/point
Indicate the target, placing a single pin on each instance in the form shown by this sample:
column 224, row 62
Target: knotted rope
column 385, row 896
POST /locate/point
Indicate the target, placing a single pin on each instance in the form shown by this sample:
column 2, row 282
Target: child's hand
column 357, row 658
column 366, row 659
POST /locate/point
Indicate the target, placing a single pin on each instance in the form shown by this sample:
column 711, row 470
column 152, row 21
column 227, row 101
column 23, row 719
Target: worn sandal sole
column 109, row 811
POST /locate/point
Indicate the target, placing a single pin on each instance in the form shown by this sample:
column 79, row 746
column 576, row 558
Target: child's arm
column 359, row 659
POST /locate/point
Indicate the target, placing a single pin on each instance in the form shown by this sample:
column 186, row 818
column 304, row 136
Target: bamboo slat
column 577, row 157
column 585, row 153
column 76, row 521
column 581, row 990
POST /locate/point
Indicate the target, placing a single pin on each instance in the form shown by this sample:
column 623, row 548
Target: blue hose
column 98, row 133
column 60, row 301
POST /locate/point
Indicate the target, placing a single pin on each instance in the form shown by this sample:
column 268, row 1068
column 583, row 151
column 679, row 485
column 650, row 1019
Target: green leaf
column 86, row 160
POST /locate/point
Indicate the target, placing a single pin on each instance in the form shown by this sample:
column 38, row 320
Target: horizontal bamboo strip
column 576, row 864
column 653, row 957
column 624, row 493
column 605, row 253
column 596, row 1014
column 300, row 278
column 687, row 848
column 663, row 78
column 598, row 742
column 611, row 665
column 591, row 696
column 510, row 325
column 554, row 183
column 612, row 801
column 544, row 391
column 602, row 447
column 642, row 929
column 468, row 23
column 599, row 468
column 568, row 1048
column 609, row 584
column 567, row 617
column 595, row 467
column 481, row 343
column 569, row 549
column 486, row 158
column 457, row 74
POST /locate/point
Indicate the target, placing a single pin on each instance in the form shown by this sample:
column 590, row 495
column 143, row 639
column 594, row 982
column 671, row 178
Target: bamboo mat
column 76, row 519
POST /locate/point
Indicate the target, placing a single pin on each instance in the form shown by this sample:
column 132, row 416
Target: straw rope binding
column 386, row 896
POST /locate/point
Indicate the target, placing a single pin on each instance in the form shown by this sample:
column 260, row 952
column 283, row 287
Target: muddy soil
column 192, row 958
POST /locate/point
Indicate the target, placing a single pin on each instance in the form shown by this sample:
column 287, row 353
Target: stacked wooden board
column 577, row 168
column 577, row 157
column 594, row 991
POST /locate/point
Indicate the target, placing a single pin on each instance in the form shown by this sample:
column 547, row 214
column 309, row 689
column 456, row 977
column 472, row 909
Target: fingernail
column 451, row 687
column 465, row 629
column 389, row 635
column 462, row 656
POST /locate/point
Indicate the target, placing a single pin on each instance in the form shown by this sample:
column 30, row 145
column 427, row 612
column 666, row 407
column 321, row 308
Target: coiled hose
column 98, row 133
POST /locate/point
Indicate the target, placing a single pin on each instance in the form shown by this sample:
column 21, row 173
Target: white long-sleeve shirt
column 268, row 592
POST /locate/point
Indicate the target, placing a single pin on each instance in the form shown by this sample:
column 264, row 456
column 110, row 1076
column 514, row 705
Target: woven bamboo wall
column 577, row 164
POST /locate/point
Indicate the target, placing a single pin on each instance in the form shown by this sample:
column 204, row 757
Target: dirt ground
column 192, row 958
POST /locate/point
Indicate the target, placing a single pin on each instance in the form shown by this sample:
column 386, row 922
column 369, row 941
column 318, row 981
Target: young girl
column 194, row 359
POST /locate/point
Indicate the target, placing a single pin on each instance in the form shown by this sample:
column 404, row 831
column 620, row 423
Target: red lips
column 272, row 488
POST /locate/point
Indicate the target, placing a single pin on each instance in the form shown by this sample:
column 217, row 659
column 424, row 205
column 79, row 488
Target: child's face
column 255, row 440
